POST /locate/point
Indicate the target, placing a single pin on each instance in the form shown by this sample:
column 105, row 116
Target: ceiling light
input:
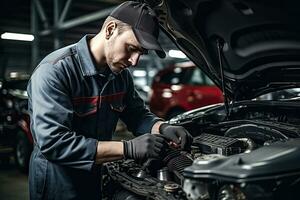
column 17, row 36
column 139, row 73
column 176, row 54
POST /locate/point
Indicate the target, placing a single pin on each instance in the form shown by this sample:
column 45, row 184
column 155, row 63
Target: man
column 76, row 96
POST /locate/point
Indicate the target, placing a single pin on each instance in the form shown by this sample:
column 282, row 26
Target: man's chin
column 116, row 70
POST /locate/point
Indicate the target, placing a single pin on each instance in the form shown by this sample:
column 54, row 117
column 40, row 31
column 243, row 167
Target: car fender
column 25, row 127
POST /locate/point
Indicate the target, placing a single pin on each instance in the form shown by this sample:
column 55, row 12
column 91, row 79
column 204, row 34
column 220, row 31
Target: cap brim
column 149, row 42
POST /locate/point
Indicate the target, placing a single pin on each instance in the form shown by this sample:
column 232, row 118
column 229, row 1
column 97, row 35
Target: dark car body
column 246, row 148
column 15, row 135
column 182, row 87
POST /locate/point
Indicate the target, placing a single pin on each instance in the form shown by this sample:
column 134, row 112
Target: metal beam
column 35, row 42
column 86, row 19
column 80, row 20
column 45, row 32
column 57, row 31
column 42, row 14
column 65, row 11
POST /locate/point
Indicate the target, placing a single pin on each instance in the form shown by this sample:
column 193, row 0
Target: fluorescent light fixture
column 139, row 73
column 13, row 74
column 151, row 73
column 176, row 54
column 17, row 36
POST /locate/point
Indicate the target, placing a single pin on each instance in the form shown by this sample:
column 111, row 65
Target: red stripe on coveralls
column 93, row 100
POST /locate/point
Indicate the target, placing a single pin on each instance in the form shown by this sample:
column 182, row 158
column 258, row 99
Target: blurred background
column 30, row 29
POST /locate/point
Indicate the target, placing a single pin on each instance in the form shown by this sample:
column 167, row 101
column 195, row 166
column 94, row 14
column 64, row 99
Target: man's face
column 123, row 50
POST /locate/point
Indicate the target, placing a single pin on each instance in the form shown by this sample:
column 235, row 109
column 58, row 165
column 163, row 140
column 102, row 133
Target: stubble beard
column 115, row 69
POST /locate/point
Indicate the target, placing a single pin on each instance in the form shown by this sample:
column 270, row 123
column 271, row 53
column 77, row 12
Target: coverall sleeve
column 51, row 114
column 137, row 117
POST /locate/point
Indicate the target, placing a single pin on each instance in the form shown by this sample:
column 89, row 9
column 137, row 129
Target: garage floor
column 14, row 184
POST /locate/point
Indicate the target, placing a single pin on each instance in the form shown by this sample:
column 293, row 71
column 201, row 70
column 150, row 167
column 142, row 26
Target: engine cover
column 278, row 158
column 270, row 172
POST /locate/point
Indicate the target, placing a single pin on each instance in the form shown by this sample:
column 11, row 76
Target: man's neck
column 97, row 50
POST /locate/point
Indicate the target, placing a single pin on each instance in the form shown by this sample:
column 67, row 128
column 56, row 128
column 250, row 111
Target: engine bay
column 241, row 156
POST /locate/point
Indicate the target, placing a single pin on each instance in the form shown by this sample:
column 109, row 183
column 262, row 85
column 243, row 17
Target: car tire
column 22, row 152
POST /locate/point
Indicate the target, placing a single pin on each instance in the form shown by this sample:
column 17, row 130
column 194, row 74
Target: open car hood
column 254, row 44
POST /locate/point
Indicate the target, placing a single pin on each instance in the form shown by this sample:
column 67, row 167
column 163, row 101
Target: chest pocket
column 116, row 102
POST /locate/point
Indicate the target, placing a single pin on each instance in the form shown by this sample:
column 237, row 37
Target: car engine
column 242, row 157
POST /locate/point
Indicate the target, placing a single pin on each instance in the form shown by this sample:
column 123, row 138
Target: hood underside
column 255, row 43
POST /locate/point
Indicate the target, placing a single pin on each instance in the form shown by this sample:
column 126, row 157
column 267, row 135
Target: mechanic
column 76, row 96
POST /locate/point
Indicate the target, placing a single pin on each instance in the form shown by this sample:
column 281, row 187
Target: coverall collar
column 86, row 63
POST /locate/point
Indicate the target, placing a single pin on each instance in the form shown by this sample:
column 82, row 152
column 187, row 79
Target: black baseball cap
column 144, row 24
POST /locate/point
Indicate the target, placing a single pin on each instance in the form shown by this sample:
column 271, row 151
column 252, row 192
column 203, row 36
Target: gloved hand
column 144, row 146
column 177, row 134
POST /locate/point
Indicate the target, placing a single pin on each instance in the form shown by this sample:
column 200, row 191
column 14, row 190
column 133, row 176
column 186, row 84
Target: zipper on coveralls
column 99, row 100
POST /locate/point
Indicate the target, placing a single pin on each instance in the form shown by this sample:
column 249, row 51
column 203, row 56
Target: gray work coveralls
column 64, row 93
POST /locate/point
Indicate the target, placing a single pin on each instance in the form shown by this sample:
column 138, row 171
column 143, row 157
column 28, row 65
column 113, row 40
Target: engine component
column 249, row 143
column 231, row 191
column 163, row 174
column 123, row 174
column 142, row 173
column 214, row 144
column 178, row 162
column 259, row 133
column 196, row 189
column 122, row 194
column 171, row 187
column 270, row 172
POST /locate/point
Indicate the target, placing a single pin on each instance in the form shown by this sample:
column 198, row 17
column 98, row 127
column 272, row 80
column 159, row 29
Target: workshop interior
column 230, row 78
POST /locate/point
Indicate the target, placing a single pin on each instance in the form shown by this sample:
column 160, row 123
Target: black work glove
column 144, row 146
column 177, row 134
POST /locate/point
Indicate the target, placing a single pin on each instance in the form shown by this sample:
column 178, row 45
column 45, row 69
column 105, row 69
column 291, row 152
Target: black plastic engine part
column 214, row 144
column 122, row 194
column 270, row 172
column 280, row 158
column 256, row 132
column 124, row 174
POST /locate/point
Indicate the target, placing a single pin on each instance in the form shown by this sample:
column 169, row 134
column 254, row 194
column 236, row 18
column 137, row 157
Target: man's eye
column 131, row 48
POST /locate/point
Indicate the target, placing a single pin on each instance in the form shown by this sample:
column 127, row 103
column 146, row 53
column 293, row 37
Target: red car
column 180, row 88
column 15, row 135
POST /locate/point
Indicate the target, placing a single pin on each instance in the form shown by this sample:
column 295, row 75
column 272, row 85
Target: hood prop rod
column 220, row 45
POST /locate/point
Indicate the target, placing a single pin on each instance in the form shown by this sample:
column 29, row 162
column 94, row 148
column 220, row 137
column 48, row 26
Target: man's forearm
column 155, row 127
column 109, row 151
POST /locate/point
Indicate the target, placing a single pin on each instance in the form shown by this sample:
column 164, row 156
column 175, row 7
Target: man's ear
column 110, row 28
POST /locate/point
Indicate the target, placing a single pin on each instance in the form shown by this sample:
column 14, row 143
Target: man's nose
column 134, row 58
